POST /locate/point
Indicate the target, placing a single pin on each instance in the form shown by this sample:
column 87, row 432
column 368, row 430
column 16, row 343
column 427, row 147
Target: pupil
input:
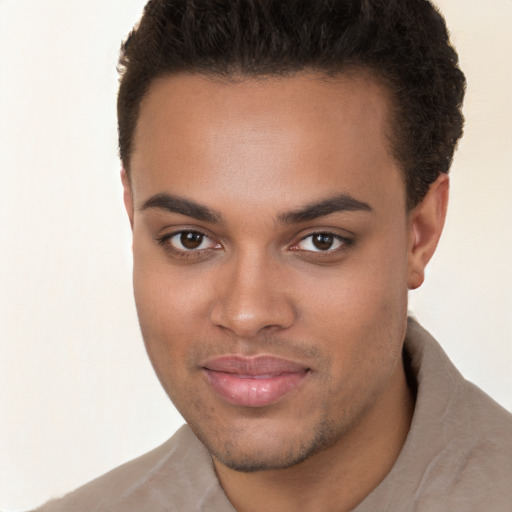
column 323, row 241
column 191, row 240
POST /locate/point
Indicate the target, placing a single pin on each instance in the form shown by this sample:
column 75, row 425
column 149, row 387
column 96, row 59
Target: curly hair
column 402, row 43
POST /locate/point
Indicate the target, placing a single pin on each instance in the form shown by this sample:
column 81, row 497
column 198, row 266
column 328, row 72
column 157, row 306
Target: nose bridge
column 251, row 295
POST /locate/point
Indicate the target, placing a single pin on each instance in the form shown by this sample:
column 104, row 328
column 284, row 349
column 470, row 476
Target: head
column 285, row 177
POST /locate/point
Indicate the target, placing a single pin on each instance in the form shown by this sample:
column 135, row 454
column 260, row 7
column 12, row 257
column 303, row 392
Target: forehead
column 294, row 136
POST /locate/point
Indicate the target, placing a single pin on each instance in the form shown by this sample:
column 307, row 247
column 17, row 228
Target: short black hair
column 402, row 43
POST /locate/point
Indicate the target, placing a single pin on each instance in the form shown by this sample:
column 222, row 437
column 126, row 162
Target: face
column 271, row 245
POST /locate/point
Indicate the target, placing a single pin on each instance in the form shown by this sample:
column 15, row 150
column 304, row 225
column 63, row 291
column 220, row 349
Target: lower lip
column 252, row 391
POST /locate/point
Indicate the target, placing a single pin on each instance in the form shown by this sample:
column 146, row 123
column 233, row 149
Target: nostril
column 254, row 321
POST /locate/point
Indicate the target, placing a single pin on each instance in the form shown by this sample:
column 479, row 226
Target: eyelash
column 164, row 241
column 345, row 244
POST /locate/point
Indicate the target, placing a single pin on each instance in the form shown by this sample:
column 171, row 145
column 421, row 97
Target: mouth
column 253, row 382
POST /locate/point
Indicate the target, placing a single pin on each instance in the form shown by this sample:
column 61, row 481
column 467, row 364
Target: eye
column 321, row 242
column 188, row 241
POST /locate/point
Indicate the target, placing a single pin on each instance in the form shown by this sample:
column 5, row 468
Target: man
column 285, row 177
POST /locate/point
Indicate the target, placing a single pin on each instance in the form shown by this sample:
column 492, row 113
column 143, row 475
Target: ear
column 426, row 223
column 127, row 195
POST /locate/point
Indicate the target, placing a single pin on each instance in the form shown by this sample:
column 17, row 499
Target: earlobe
column 127, row 195
column 426, row 222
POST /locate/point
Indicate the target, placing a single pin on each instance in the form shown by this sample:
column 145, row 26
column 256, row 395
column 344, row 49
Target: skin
column 253, row 151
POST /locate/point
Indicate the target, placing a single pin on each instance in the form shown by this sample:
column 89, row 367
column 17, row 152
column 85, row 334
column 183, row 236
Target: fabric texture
column 457, row 456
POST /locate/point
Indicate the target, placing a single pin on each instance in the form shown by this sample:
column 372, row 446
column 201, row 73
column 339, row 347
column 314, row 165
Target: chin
column 269, row 451
column 261, row 462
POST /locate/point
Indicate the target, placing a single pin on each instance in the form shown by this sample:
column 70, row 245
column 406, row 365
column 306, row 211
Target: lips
column 253, row 382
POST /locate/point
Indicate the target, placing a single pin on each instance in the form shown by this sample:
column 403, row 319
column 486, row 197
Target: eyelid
column 336, row 242
column 346, row 243
column 171, row 230
column 164, row 240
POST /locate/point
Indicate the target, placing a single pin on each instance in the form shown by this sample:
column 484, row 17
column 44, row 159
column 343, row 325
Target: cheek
column 371, row 284
column 361, row 316
column 167, row 304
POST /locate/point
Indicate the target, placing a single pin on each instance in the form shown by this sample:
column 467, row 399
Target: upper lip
column 254, row 366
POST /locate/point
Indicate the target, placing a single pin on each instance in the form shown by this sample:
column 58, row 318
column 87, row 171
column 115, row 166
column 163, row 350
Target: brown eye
column 191, row 239
column 323, row 241
column 188, row 242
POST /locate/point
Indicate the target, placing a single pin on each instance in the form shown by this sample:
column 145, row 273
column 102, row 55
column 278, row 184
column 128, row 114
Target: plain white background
column 77, row 394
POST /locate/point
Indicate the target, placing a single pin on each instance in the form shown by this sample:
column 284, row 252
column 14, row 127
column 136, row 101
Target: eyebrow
column 335, row 204
column 182, row 206
column 322, row 208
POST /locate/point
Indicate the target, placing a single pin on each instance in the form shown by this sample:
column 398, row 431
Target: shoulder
column 458, row 453
column 472, row 469
column 165, row 478
column 457, row 410
column 463, row 436
column 481, row 434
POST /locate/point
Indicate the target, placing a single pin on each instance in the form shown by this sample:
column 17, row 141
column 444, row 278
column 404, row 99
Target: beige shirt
column 457, row 457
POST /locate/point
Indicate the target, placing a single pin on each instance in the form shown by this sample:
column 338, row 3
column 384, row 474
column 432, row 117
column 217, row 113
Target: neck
column 338, row 478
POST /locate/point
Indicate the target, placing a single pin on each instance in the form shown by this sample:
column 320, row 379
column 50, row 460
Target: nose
column 251, row 297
